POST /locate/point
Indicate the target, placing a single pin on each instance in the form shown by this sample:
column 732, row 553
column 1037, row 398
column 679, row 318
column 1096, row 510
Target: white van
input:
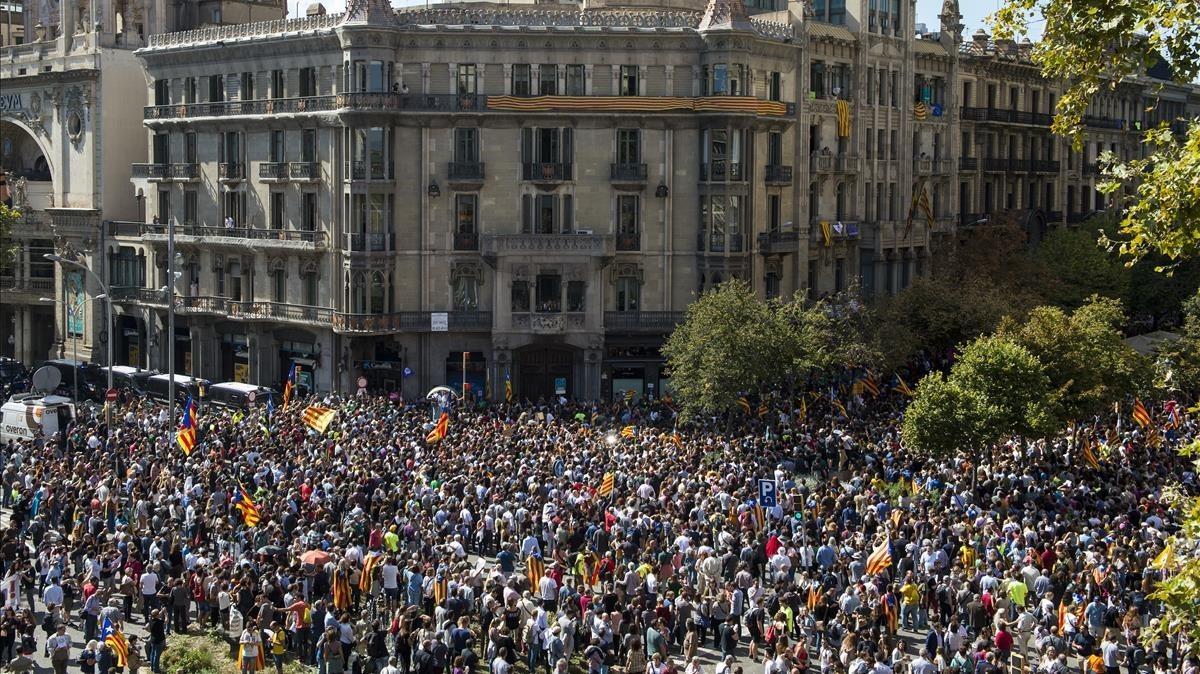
column 33, row 415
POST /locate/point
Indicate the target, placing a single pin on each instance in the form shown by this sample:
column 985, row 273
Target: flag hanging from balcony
column 827, row 233
column 919, row 200
column 843, row 119
column 920, row 111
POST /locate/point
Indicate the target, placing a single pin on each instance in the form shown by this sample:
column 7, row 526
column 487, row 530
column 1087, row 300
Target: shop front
column 235, row 358
column 473, row 378
column 633, row 371
column 302, row 349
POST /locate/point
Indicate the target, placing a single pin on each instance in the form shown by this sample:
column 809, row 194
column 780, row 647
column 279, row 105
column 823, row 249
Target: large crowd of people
column 564, row 537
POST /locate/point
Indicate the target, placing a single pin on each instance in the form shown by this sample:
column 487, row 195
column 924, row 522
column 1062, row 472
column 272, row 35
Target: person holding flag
column 186, row 436
column 289, row 386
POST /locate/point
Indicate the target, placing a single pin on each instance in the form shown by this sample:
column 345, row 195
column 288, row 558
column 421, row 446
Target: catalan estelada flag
column 186, row 436
column 290, row 385
column 318, row 418
column 369, row 565
column 902, row 386
column 1140, row 414
column 341, row 589
column 247, row 507
column 744, row 403
column 607, row 485
column 881, row 557
column 508, row 392
column 116, row 641
column 440, row 429
column 535, row 568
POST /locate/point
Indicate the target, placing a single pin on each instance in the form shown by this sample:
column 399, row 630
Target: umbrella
column 270, row 550
column 315, row 557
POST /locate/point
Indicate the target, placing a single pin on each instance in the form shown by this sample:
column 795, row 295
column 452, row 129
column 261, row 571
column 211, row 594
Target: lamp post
column 108, row 342
column 72, row 311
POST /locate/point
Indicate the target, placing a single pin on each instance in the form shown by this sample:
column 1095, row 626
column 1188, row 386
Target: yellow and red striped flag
column 441, row 590
column 607, row 484
column 318, row 418
column 341, row 589
column 440, row 429
column 1140, row 414
column 881, row 557
column 115, row 640
column 369, row 565
column 535, row 568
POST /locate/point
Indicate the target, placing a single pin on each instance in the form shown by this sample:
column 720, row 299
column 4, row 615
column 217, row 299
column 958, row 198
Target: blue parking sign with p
column 767, row 497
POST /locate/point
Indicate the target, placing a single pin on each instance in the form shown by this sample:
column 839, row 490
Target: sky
column 973, row 12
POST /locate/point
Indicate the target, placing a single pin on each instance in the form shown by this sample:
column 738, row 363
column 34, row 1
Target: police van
column 236, row 395
column 157, row 387
column 33, row 415
column 129, row 378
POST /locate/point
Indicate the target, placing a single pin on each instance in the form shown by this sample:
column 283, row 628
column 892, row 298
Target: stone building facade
column 71, row 96
column 540, row 190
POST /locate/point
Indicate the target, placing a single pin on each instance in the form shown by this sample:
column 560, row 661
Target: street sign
column 251, row 396
column 111, row 395
column 362, row 382
column 767, row 497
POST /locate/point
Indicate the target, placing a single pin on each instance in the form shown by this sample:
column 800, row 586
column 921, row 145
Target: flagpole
column 464, row 377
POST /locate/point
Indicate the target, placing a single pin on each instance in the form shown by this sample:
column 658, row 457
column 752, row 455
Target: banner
column 73, row 282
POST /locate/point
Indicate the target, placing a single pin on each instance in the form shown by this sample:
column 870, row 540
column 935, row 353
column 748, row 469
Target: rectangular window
column 278, row 206
column 308, row 211
column 216, row 88
column 893, row 144
column 629, row 80
column 548, row 80
column 276, row 84
column 164, row 206
column 162, row 92
column 870, row 148
column 189, row 207
column 465, row 208
column 520, row 296
column 627, row 215
column 628, row 294
column 774, row 212
column 161, row 148
column 310, row 289
column 189, row 147
column 575, row 295
column 774, row 148
column 816, row 79
column 466, row 144
column 629, row 146
column 549, row 293
column 467, row 81
column 576, row 77
column 308, row 145
column 894, row 89
column 277, row 146
column 775, row 87
column 520, row 79
column 189, row 90
column 247, row 87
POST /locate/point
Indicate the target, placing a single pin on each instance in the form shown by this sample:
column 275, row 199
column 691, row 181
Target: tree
column 1094, row 45
column 1079, row 267
column 944, row 419
column 1180, row 360
column 1181, row 563
column 726, row 344
column 8, row 220
column 732, row 342
column 1011, row 384
column 1083, row 355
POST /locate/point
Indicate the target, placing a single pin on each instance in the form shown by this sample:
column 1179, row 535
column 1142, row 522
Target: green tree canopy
column 1010, row 382
column 1084, row 356
column 944, row 419
column 1096, row 44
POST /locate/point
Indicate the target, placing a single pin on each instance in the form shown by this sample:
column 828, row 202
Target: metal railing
column 642, row 321
column 628, row 173
column 273, row 170
column 546, row 171
column 304, row 170
column 720, row 171
column 1097, row 122
column 465, row 170
column 127, row 228
column 629, row 241
column 185, row 171
column 229, row 170
column 777, row 174
column 968, row 164
column 1008, row 116
column 361, row 170
column 466, row 241
column 368, row 242
column 151, row 171
column 778, row 242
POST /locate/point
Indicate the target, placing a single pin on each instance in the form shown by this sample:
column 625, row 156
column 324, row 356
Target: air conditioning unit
column 588, row 232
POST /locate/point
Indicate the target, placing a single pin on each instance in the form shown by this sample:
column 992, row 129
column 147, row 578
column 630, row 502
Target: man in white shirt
column 250, row 642
column 53, row 594
column 149, row 587
column 548, row 591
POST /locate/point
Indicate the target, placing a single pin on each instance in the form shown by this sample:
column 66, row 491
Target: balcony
column 546, row 172
column 820, row 163
column 368, row 242
column 1103, row 123
column 273, row 171
column 778, row 175
column 1007, row 116
column 185, row 172
column 776, row 243
column 628, row 174
column 465, row 172
column 1091, row 169
column 299, row 239
column 410, row 321
column 642, row 321
column 229, row 171
column 361, row 170
column 926, row 167
column 629, row 242
column 466, row 241
column 389, row 101
column 152, row 172
column 305, row 171
column 548, row 323
column 968, row 164
column 1042, row 166
column 543, row 244
column 845, row 163
column 721, row 171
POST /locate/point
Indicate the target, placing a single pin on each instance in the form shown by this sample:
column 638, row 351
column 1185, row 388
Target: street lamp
column 107, row 342
column 71, row 312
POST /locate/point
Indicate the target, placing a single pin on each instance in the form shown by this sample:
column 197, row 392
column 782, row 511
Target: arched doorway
column 544, row 371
